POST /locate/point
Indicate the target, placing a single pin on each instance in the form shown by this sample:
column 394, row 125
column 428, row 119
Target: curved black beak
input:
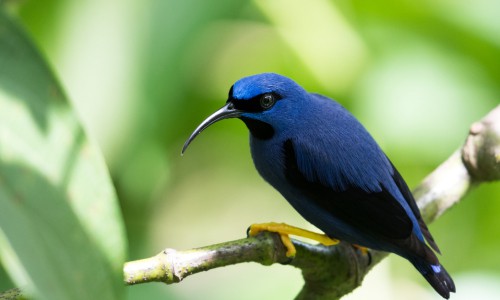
column 226, row 112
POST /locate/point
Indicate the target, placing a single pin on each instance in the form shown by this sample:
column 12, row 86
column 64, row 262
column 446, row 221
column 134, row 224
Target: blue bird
column 331, row 170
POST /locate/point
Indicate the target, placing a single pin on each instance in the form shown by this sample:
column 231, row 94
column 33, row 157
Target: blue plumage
column 330, row 169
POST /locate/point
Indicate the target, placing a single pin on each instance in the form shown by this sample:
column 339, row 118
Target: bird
column 330, row 169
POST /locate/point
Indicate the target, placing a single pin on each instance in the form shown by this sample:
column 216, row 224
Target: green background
column 141, row 75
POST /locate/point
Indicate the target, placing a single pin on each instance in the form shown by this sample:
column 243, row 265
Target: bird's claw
column 284, row 230
column 364, row 251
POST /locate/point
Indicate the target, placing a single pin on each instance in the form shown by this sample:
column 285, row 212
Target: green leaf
column 61, row 232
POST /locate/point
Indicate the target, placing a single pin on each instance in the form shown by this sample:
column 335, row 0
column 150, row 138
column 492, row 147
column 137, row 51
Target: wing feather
column 377, row 213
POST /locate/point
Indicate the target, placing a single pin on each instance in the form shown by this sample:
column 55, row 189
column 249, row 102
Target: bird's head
column 263, row 101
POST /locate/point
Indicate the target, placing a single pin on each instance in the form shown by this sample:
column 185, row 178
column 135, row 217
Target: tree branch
column 12, row 294
column 331, row 272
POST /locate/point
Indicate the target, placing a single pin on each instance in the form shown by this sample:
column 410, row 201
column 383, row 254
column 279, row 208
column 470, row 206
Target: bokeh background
column 142, row 75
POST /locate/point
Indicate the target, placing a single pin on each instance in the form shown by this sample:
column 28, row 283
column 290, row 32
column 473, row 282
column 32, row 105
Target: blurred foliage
column 61, row 234
column 142, row 74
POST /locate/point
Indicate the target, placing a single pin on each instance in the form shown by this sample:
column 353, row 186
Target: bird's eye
column 267, row 101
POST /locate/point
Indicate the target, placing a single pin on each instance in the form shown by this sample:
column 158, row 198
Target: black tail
column 437, row 276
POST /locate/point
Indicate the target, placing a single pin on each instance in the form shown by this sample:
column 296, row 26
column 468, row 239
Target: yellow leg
column 285, row 230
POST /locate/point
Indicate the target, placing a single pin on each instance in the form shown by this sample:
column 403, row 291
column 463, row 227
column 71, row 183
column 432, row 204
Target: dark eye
column 267, row 101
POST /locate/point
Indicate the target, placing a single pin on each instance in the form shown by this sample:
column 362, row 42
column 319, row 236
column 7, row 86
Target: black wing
column 376, row 213
column 403, row 187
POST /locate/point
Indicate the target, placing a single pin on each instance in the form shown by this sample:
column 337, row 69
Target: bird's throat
column 258, row 129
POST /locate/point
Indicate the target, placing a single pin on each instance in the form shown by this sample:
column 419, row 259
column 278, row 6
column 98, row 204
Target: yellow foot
column 363, row 250
column 284, row 230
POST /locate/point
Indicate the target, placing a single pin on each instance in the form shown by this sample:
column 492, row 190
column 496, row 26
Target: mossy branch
column 331, row 272
column 12, row 294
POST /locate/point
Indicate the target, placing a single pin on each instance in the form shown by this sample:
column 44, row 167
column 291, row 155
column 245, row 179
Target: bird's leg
column 284, row 230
